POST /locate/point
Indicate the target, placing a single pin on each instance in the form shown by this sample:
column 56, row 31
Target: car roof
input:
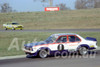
column 11, row 22
column 14, row 22
column 61, row 34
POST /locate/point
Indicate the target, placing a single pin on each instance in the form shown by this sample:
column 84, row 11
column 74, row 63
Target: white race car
column 61, row 42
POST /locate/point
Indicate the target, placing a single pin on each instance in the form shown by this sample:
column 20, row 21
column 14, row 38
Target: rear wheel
column 83, row 50
column 21, row 29
column 43, row 53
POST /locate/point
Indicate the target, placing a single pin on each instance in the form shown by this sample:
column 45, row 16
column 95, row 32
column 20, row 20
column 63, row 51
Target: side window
column 7, row 23
column 62, row 39
column 77, row 39
column 73, row 39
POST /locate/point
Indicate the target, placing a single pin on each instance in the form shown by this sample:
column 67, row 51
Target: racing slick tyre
column 21, row 29
column 6, row 28
column 13, row 29
column 43, row 53
column 83, row 51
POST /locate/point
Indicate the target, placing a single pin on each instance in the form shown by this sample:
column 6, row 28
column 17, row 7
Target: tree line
column 86, row 4
column 79, row 4
column 6, row 8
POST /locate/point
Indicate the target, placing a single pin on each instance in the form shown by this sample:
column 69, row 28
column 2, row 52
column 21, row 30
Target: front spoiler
column 27, row 51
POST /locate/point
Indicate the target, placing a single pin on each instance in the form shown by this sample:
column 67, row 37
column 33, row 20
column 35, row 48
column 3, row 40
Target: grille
column 28, row 48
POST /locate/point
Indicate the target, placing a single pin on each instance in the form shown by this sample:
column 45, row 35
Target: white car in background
column 61, row 42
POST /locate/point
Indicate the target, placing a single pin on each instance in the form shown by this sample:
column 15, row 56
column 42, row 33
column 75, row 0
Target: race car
column 61, row 42
column 12, row 26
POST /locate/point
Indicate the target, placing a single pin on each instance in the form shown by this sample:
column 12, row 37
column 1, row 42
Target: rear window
column 73, row 38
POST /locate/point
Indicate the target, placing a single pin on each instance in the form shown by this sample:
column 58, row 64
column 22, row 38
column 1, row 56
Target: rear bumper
column 94, row 47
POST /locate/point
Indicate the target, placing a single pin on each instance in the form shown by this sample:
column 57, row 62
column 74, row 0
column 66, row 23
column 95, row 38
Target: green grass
column 7, row 37
column 70, row 19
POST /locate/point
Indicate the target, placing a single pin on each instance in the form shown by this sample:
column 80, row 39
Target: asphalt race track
column 54, row 30
column 53, row 62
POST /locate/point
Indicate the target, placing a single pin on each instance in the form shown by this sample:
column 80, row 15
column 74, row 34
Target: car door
column 59, row 44
column 9, row 25
column 73, row 42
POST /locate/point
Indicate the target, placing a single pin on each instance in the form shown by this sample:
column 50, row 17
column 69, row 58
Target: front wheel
column 6, row 28
column 13, row 29
column 43, row 53
column 83, row 50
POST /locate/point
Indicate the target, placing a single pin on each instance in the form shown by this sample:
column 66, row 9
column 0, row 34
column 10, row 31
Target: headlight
column 31, row 49
column 34, row 48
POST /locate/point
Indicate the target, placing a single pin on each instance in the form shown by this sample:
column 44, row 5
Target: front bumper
column 28, row 51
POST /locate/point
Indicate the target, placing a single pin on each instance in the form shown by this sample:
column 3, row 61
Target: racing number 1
column 60, row 47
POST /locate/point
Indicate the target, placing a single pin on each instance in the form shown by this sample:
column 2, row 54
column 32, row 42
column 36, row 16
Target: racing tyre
column 6, row 28
column 83, row 51
column 13, row 29
column 43, row 53
column 21, row 29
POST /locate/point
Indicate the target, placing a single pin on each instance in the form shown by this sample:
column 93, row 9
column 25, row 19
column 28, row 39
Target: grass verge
column 7, row 37
column 70, row 19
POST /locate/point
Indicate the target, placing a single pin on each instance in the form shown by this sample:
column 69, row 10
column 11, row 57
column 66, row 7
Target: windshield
column 50, row 39
column 15, row 24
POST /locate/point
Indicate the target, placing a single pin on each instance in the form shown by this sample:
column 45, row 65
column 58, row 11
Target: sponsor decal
column 51, row 8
